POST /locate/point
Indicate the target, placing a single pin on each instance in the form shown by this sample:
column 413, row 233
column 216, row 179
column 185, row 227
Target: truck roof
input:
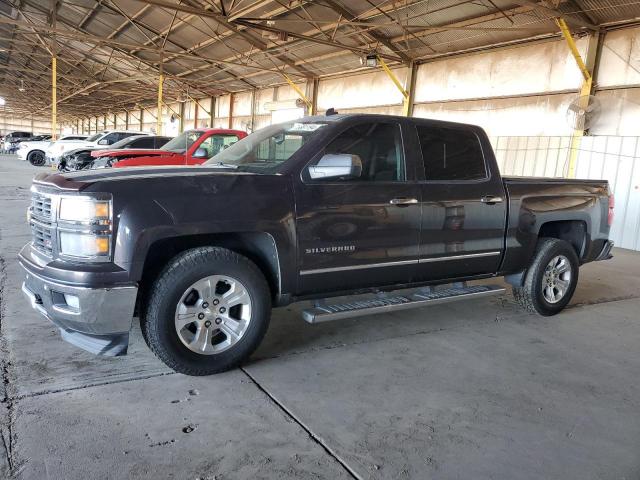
column 336, row 117
column 217, row 130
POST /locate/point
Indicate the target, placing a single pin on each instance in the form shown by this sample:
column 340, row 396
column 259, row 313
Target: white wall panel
column 531, row 69
column 263, row 97
column 222, row 106
column 533, row 116
column 619, row 114
column 242, row 104
column 620, row 60
column 366, row 90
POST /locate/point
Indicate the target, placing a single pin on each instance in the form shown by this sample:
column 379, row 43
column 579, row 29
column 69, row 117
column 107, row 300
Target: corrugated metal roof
column 110, row 51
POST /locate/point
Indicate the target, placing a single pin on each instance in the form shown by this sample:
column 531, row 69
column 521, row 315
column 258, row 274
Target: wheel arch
column 575, row 232
column 259, row 247
column 33, row 150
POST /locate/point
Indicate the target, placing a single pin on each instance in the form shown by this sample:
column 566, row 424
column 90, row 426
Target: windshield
column 94, row 137
column 124, row 142
column 182, row 142
column 267, row 148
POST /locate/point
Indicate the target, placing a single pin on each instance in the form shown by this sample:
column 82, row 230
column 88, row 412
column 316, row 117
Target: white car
column 34, row 151
column 95, row 141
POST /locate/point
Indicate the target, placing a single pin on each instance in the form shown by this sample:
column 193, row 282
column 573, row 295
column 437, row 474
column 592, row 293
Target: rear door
column 463, row 203
column 365, row 231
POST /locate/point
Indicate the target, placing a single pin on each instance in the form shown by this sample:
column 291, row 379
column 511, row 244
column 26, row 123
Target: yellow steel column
column 300, row 93
column 406, row 102
column 54, row 73
column 54, row 100
column 159, row 115
column 212, row 112
column 181, row 119
column 585, row 91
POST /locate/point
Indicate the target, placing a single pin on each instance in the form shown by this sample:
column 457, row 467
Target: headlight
column 84, row 245
column 85, row 210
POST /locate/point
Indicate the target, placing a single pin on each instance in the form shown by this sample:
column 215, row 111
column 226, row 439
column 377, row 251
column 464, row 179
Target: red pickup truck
column 189, row 148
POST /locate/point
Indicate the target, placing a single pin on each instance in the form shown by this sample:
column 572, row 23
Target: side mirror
column 104, row 141
column 200, row 153
column 336, row 166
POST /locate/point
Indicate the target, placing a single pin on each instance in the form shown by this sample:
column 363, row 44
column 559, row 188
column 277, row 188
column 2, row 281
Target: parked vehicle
column 81, row 159
column 315, row 208
column 11, row 140
column 33, row 149
column 192, row 147
column 95, row 141
column 37, row 138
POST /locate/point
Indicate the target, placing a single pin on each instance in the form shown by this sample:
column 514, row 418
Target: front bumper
column 95, row 319
column 605, row 253
column 22, row 154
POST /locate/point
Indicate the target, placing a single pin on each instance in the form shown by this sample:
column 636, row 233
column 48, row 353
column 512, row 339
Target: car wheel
column 551, row 279
column 36, row 158
column 207, row 311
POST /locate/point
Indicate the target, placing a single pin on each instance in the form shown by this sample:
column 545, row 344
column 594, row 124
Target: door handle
column 491, row 199
column 403, row 201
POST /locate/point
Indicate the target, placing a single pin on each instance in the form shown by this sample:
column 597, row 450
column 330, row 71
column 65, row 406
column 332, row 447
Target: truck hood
column 131, row 152
column 62, row 146
column 36, row 144
column 77, row 181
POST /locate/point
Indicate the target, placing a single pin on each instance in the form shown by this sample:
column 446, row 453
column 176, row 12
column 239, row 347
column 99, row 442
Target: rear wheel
column 551, row 279
column 207, row 312
column 36, row 158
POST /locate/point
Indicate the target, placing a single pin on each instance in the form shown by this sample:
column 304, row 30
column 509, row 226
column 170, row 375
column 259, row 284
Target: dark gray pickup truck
column 315, row 208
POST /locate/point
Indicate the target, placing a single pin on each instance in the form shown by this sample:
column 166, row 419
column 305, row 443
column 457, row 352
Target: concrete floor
column 466, row 390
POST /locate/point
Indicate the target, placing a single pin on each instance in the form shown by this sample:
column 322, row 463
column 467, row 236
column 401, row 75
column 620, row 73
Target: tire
column 36, row 158
column 541, row 290
column 173, row 292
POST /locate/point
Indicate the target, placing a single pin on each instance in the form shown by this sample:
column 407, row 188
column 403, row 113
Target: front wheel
column 36, row 158
column 207, row 311
column 551, row 279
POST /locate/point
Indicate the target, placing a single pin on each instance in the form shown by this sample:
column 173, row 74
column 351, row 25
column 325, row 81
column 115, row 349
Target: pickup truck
column 191, row 147
column 310, row 209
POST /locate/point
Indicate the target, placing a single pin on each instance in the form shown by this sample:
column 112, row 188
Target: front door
column 359, row 232
column 463, row 204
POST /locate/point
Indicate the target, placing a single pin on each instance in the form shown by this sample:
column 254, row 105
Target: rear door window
column 451, row 154
column 144, row 142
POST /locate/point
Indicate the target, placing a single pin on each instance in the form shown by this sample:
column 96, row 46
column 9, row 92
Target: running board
column 322, row 312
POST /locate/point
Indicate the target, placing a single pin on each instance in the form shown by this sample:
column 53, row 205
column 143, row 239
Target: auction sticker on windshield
column 305, row 127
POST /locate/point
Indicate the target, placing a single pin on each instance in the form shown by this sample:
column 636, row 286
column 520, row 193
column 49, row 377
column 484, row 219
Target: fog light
column 72, row 300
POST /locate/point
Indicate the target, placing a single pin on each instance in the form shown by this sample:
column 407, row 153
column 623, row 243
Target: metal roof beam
column 355, row 49
column 557, row 14
column 346, row 13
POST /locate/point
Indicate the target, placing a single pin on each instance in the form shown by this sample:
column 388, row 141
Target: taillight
column 612, row 204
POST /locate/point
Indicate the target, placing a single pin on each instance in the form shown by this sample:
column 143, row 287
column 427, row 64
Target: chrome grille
column 41, row 222
column 42, row 236
column 41, row 206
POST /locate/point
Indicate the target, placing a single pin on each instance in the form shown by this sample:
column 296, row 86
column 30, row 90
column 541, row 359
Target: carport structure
column 113, row 52
column 474, row 390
